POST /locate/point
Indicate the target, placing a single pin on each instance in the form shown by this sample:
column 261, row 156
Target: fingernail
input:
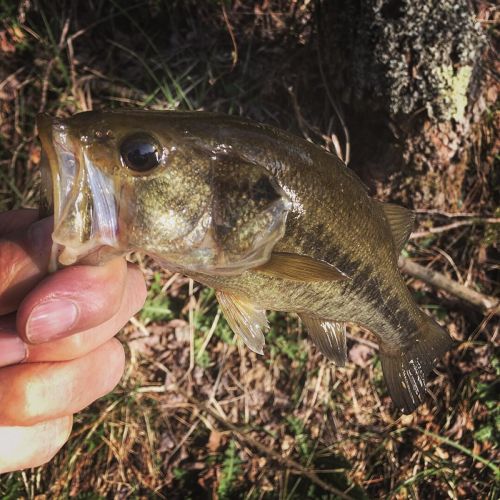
column 51, row 320
column 12, row 349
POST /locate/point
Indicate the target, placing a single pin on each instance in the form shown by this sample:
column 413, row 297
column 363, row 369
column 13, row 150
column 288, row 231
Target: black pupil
column 140, row 152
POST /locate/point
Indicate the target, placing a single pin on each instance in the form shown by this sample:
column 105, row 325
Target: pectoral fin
column 329, row 337
column 401, row 221
column 300, row 268
column 245, row 320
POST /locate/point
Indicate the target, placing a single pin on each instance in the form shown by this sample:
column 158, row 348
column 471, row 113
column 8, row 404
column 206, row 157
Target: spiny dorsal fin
column 244, row 319
column 300, row 268
column 401, row 221
column 329, row 337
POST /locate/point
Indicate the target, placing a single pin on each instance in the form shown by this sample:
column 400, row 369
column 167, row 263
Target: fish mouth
column 79, row 195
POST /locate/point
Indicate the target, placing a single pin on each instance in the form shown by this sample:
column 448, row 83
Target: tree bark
column 408, row 75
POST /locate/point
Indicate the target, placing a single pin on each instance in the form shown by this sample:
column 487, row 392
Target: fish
column 267, row 219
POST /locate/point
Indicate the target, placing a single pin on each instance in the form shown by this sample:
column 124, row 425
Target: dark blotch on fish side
column 264, row 191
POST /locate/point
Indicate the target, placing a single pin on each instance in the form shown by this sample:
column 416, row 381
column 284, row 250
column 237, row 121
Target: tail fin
column 406, row 369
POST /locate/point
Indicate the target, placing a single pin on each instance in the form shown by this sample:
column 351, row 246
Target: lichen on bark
column 409, row 76
column 406, row 55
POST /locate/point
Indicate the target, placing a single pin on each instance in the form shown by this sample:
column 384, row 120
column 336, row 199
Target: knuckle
column 75, row 346
column 24, row 396
column 60, row 432
column 118, row 351
column 31, row 446
column 116, row 356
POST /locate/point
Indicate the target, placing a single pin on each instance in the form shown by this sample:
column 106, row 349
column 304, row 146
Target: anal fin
column 245, row 320
column 329, row 337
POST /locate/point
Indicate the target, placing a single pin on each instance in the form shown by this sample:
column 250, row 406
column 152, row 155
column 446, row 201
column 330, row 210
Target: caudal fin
column 406, row 370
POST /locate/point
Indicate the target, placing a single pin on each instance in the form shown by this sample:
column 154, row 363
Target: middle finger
column 34, row 392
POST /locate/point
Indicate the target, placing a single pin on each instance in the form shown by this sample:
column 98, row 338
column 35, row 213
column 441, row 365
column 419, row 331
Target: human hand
column 57, row 351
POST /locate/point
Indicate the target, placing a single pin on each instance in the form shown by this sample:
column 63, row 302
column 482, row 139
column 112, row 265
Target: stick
column 347, row 155
column 277, row 457
column 442, row 229
column 450, row 215
column 485, row 303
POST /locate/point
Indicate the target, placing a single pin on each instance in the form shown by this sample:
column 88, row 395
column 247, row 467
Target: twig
column 140, row 326
column 447, row 256
column 361, row 340
column 48, row 68
column 347, row 155
column 448, row 227
column 303, row 124
column 277, row 457
column 209, row 335
column 463, row 449
column 450, row 215
column 191, row 328
column 234, row 54
column 485, row 303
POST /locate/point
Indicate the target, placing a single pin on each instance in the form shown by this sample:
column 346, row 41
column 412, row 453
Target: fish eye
column 140, row 152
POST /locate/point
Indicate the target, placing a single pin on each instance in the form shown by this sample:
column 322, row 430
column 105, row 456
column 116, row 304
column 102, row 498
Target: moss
column 407, row 55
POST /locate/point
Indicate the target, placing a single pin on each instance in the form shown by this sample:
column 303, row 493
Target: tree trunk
column 408, row 75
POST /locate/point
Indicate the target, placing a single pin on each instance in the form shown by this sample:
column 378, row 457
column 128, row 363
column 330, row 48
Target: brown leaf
column 214, row 441
column 35, row 153
column 5, row 44
column 360, row 355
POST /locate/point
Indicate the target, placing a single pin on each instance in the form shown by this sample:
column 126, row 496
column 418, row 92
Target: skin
column 40, row 393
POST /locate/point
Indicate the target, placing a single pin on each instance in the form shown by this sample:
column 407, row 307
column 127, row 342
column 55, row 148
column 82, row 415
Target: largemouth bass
column 272, row 222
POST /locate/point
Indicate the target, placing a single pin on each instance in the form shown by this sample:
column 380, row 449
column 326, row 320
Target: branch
column 243, row 436
column 450, row 215
column 442, row 229
column 486, row 303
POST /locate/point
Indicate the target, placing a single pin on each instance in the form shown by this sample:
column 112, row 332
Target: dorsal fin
column 401, row 221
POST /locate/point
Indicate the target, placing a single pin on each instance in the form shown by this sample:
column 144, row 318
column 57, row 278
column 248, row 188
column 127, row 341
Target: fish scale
column 271, row 221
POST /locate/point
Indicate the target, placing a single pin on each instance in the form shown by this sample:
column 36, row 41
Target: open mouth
column 59, row 165
column 79, row 195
